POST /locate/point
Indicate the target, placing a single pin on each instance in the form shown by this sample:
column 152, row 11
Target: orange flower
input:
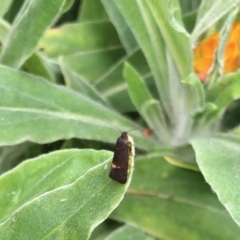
column 204, row 53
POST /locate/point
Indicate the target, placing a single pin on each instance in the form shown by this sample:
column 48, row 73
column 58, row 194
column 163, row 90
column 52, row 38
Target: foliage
column 128, row 64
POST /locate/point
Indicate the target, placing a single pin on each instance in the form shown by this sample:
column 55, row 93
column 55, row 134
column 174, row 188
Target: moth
column 123, row 152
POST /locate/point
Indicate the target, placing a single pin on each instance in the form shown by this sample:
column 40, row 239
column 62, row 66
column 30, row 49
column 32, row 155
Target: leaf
column 116, row 90
column 198, row 96
column 124, row 32
column 92, row 11
column 144, row 28
column 41, row 112
column 130, row 233
column 224, row 35
column 4, row 6
column 81, row 85
column 168, row 18
column 67, row 5
column 218, row 159
column 225, row 91
column 173, row 203
column 37, row 66
column 145, row 104
column 4, row 29
column 18, row 45
column 9, row 156
column 209, row 13
column 70, row 201
column 92, row 37
column 34, row 177
column 103, row 229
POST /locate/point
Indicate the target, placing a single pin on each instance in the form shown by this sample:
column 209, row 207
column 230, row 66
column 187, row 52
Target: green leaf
column 224, row 35
column 225, row 91
column 173, row 203
column 123, row 29
column 80, row 84
column 36, row 65
column 116, row 90
column 180, row 98
column 4, row 6
column 130, row 233
column 46, row 173
column 41, row 112
column 9, row 156
column 189, row 6
column 4, row 29
column 67, row 5
column 218, row 159
column 27, row 29
column 209, row 13
column 142, row 24
column 69, row 194
column 105, row 228
column 168, row 18
column 137, row 89
column 145, row 104
column 91, row 38
column 198, row 96
column 92, row 11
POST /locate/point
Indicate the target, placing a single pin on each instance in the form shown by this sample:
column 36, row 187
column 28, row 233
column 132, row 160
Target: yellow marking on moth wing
column 131, row 145
column 115, row 166
column 130, row 166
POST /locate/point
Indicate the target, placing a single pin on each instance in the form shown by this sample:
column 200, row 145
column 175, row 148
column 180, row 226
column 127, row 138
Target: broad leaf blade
column 116, row 90
column 198, row 94
column 218, row 159
column 173, row 203
column 27, row 28
column 144, row 103
column 118, row 20
column 142, row 24
column 130, row 233
column 4, row 5
column 80, row 205
column 43, row 112
column 92, row 11
column 225, row 91
column 167, row 16
column 37, row 66
column 34, row 177
column 75, row 82
column 9, row 155
column 92, row 37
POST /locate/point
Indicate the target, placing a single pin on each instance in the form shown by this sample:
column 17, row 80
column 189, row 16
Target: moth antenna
column 118, row 128
column 133, row 129
column 112, row 125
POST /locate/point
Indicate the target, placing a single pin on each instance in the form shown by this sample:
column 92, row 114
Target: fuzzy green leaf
column 142, row 24
column 4, row 5
column 225, row 91
column 118, row 20
column 198, row 95
column 92, row 11
column 173, row 203
column 148, row 107
column 42, row 112
column 116, row 90
column 76, row 82
column 130, row 233
column 28, row 27
column 168, row 17
column 218, row 159
column 65, row 195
